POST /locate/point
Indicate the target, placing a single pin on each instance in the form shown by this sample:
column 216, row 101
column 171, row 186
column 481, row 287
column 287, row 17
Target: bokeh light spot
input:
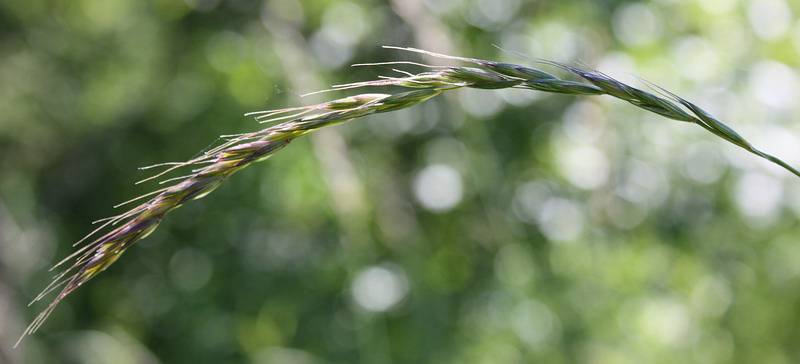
column 533, row 322
column 379, row 288
column 759, row 195
column 636, row 24
column 438, row 187
column 584, row 166
column 560, row 220
column 774, row 84
column 770, row 19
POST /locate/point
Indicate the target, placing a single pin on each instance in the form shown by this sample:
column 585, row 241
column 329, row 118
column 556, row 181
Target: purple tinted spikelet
column 137, row 223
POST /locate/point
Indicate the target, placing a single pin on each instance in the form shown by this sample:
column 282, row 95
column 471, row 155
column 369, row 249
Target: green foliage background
column 578, row 229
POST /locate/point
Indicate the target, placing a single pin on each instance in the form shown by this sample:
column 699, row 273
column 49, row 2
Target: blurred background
column 482, row 226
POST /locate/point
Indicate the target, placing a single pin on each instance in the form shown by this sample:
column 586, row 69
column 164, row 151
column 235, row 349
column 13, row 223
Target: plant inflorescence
column 118, row 233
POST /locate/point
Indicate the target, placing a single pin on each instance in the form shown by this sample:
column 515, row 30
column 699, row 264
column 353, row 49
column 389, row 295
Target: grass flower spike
column 213, row 167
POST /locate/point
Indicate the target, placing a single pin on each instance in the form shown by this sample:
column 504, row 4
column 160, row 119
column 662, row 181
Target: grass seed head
column 247, row 148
